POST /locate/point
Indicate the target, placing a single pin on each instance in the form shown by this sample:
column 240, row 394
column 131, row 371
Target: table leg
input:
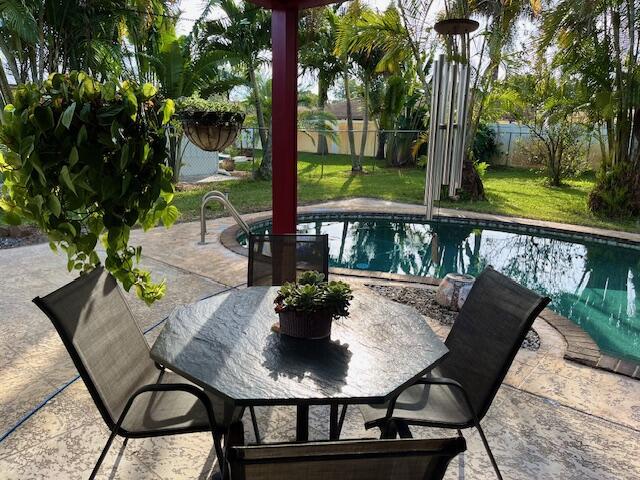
column 334, row 434
column 302, row 423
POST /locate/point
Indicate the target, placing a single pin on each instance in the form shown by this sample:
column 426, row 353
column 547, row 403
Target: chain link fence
column 394, row 147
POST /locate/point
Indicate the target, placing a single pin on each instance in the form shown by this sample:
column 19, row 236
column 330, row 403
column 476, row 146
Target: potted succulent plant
column 210, row 125
column 308, row 307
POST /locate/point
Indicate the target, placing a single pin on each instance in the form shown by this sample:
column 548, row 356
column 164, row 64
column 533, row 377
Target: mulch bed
column 424, row 300
column 11, row 237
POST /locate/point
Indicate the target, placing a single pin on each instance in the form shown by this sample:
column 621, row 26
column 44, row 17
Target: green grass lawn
column 514, row 192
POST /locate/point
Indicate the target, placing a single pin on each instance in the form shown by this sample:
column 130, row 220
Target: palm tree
column 346, row 22
column 599, row 44
column 179, row 69
column 241, row 37
column 317, row 55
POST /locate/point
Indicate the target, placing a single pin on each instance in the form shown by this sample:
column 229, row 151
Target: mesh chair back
column 275, row 259
column 103, row 339
column 487, row 334
column 347, row 460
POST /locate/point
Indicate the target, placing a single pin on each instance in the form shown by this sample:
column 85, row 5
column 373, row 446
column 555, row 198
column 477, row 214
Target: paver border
column 581, row 348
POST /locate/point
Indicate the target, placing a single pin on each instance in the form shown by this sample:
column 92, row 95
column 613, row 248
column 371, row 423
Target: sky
column 192, row 9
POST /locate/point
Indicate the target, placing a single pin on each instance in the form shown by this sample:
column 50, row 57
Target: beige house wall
column 307, row 142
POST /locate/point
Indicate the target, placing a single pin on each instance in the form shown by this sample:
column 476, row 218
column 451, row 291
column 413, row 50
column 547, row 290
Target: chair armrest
column 439, row 381
column 172, row 387
column 436, row 381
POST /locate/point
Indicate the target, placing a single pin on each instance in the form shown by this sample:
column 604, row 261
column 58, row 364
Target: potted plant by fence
column 210, row 125
column 308, row 307
column 85, row 161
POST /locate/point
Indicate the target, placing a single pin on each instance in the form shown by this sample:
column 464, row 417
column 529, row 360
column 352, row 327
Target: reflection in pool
column 595, row 285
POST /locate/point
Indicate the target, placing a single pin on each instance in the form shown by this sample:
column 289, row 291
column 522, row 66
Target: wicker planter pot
column 212, row 131
column 315, row 325
column 229, row 164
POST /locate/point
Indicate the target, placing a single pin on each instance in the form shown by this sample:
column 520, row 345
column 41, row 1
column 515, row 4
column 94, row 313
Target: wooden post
column 284, row 36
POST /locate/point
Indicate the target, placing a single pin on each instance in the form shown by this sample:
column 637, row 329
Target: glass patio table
column 225, row 344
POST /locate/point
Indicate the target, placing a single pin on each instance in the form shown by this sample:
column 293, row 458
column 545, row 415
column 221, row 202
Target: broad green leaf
column 95, row 225
column 109, row 91
column 34, row 160
column 86, row 243
column 168, row 109
column 148, row 91
column 65, row 178
column 70, row 229
column 67, row 116
column 124, row 157
column 54, row 205
column 170, row 215
column 12, row 218
column 82, row 136
column 73, row 156
column 43, row 118
column 85, row 111
column 146, row 149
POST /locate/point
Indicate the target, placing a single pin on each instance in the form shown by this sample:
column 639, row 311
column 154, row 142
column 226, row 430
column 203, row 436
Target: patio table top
column 225, row 345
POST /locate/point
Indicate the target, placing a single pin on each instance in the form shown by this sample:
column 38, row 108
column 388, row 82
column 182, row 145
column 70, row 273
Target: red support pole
column 284, row 37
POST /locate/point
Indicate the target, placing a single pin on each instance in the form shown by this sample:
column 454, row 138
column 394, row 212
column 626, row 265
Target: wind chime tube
column 455, row 179
column 430, row 173
column 441, row 125
column 464, row 124
column 450, row 131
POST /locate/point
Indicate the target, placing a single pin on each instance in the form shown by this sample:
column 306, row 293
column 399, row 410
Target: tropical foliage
column 599, row 44
column 85, row 162
column 547, row 105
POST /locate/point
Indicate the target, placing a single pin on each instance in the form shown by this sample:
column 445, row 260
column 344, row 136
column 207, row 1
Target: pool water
column 595, row 285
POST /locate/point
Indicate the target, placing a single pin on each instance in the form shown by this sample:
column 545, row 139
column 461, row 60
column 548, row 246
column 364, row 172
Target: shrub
column 85, row 161
column 485, row 147
column 617, row 192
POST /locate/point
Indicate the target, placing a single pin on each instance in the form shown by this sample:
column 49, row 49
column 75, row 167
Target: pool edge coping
column 581, row 348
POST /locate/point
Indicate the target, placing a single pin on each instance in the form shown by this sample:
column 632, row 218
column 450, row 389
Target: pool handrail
column 224, row 200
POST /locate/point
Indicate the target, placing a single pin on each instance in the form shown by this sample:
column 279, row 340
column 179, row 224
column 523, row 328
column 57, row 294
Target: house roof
column 339, row 109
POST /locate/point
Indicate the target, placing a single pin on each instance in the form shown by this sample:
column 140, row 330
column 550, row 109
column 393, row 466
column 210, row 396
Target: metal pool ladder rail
column 224, row 200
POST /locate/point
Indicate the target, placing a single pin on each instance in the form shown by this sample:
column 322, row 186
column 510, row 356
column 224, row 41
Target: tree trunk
column 175, row 155
column 264, row 171
column 381, row 140
column 323, row 146
column 352, row 141
column 471, row 182
column 365, row 124
column 5, row 89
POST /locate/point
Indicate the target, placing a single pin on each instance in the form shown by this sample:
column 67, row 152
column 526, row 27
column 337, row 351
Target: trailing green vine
column 85, row 161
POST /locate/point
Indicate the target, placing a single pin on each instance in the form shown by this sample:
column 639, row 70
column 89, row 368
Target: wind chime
column 449, row 113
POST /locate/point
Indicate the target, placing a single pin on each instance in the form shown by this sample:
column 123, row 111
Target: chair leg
column 403, row 429
column 254, row 421
column 489, row 452
column 388, row 430
column 343, row 414
column 103, row 454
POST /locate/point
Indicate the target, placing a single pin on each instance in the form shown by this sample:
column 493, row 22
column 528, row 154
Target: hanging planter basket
column 211, row 131
column 456, row 26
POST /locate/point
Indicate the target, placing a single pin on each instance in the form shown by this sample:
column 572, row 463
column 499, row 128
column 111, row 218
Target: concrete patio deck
column 552, row 419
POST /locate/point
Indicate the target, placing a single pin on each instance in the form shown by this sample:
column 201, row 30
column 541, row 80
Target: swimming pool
column 594, row 284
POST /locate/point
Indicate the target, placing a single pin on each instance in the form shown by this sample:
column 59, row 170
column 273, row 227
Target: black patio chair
column 275, row 259
column 483, row 342
column 352, row 460
column 136, row 397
